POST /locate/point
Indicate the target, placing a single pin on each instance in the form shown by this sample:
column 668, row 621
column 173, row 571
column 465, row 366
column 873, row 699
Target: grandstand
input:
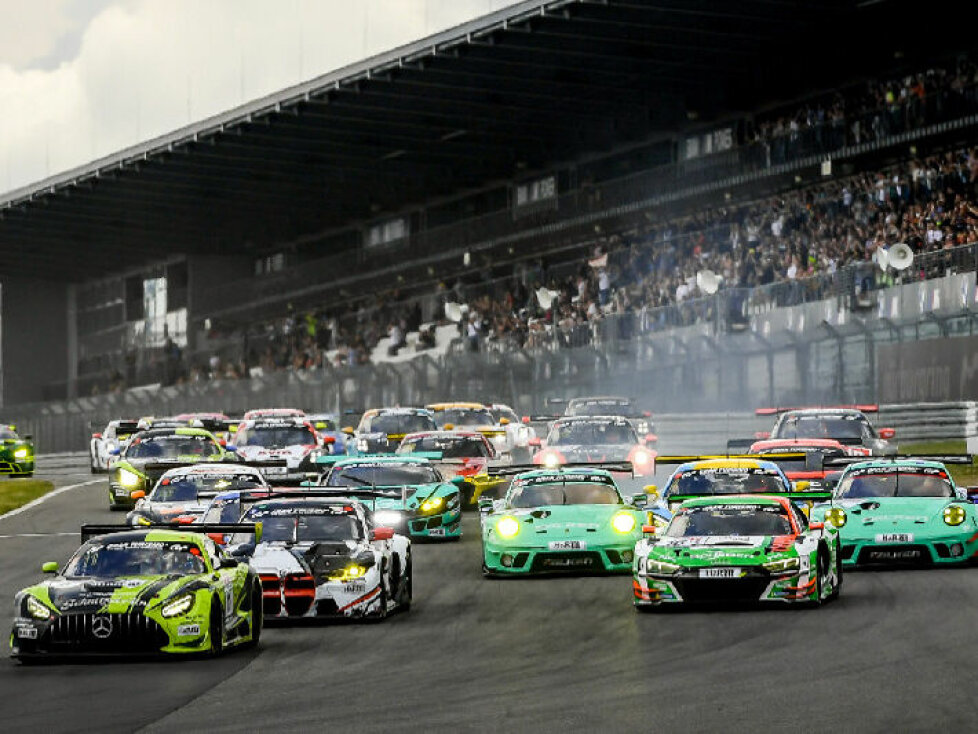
column 314, row 228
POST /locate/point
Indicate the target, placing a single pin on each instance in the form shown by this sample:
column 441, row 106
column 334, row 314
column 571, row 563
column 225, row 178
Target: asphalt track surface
column 896, row 652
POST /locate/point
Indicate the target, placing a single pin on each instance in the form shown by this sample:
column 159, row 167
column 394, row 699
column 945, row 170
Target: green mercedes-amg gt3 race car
column 560, row 520
column 737, row 549
column 141, row 592
column 16, row 453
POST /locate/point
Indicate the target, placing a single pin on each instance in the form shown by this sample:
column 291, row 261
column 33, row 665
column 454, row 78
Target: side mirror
column 816, row 525
column 802, row 485
column 887, row 433
column 348, row 430
column 651, row 492
column 96, row 435
column 49, row 567
column 320, row 425
column 640, row 500
column 329, row 440
column 382, row 533
column 648, row 529
column 526, row 419
column 222, row 442
column 504, row 421
column 138, row 494
column 535, row 441
column 218, row 538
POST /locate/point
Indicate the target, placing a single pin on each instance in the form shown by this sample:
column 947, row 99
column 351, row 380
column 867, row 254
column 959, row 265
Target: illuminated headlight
column 954, row 515
column 551, row 461
column 785, row 564
column 507, row 527
column 143, row 521
column 432, row 504
column 21, row 453
column 387, row 517
column 523, row 433
column 180, row 605
column 652, row 566
column 836, row 516
column 128, row 478
column 641, row 457
column 36, row 609
column 642, row 427
column 353, row 571
column 363, row 445
column 623, row 522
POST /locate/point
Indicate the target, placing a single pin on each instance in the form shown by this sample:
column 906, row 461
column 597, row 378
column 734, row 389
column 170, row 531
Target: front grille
column 696, row 590
column 300, row 592
column 847, row 551
column 569, row 562
column 271, row 592
column 119, row 632
column 895, row 554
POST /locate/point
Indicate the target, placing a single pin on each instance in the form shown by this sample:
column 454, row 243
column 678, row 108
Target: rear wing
column 862, row 408
column 942, row 458
column 774, row 458
column 165, row 466
column 813, row 496
column 624, row 467
column 225, row 528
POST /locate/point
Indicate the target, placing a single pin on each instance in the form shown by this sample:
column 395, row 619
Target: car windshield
column 846, row 430
column 893, row 483
column 189, row 487
column 564, row 493
column 172, row 447
column 499, row 413
column 591, row 433
column 274, row 437
column 399, row 423
column 379, row 475
column 305, row 525
column 732, row 520
column 106, row 558
column 706, row 482
column 7, row 434
column 608, row 406
column 810, row 463
column 459, row 417
column 451, row 447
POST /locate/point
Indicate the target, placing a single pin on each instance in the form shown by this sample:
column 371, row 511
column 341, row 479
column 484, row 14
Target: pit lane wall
column 907, row 344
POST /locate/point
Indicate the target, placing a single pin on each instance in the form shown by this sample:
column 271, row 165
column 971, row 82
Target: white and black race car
column 292, row 440
column 106, row 444
column 322, row 557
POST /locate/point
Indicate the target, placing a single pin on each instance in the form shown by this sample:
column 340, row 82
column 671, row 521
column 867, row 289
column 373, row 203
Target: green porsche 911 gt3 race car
column 901, row 511
column 16, row 453
column 738, row 549
column 560, row 520
column 141, row 592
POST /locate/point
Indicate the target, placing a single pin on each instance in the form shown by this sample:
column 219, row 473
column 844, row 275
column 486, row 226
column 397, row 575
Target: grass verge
column 17, row 492
column 962, row 473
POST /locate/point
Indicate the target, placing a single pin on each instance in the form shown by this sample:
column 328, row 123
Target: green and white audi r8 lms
column 739, row 549
column 901, row 511
column 560, row 520
column 141, row 592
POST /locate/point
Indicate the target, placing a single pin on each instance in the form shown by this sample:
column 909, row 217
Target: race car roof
column 796, row 443
column 739, row 499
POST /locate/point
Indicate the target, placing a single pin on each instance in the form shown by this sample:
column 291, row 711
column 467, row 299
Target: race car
column 381, row 430
column 811, row 467
column 641, row 420
column 150, row 453
column 405, row 493
column 253, row 415
column 328, row 428
column 138, row 592
column 110, row 439
column 323, row 557
column 902, row 511
column 737, row 549
column 520, row 435
column 292, row 440
column 472, row 417
column 217, row 423
column 595, row 438
column 182, row 494
column 560, row 520
column 848, row 426
column 16, row 453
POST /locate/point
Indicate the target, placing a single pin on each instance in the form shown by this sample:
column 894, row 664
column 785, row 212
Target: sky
column 80, row 79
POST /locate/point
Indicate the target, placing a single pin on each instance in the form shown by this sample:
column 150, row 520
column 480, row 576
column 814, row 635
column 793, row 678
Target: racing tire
column 257, row 620
column 838, row 575
column 381, row 613
column 821, row 571
column 216, row 629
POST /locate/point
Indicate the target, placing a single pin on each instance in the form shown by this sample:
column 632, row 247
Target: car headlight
column 180, row 605
column 21, row 453
column 784, row 564
column 954, row 514
column 653, row 566
column 432, row 504
column 353, row 571
column 507, row 527
column 363, row 445
column 551, row 460
column 623, row 522
column 641, row 457
column 129, row 479
column 836, row 516
column 642, row 427
column 36, row 609
column 387, row 517
column 143, row 520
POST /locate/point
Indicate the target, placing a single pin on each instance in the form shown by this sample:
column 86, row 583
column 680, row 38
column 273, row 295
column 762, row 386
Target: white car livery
column 292, row 440
column 105, row 445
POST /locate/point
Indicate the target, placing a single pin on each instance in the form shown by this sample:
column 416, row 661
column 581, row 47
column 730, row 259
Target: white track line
column 49, row 495
column 36, row 535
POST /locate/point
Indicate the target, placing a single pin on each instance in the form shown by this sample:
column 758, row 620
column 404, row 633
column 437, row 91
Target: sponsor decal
column 26, row 632
column 356, row 586
column 910, row 554
column 188, row 630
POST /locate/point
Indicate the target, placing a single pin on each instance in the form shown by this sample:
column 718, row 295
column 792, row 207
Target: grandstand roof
column 534, row 84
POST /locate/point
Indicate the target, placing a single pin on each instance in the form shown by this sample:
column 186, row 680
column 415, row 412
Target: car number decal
column 562, row 545
column 721, row 573
column 894, row 538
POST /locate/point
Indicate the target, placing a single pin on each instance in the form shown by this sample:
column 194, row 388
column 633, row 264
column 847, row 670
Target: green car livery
column 141, row 591
column 16, row 453
column 560, row 520
column 901, row 511
column 151, row 453
column 405, row 493
column 737, row 549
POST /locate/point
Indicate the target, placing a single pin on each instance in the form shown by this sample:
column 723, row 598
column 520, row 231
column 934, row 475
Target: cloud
column 141, row 68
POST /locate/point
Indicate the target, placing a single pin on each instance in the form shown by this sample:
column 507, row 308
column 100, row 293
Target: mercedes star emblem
column 101, row 627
